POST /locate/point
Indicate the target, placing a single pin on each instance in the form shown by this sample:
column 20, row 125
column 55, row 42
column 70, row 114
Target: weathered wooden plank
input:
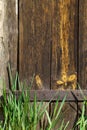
column 8, row 36
column 3, row 49
column 69, row 113
column 34, row 41
column 11, row 31
column 83, row 43
column 64, row 48
column 34, row 44
column 64, row 44
column 82, row 55
column 53, row 95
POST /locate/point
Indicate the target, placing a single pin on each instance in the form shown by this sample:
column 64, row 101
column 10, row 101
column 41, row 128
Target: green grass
column 21, row 114
column 82, row 121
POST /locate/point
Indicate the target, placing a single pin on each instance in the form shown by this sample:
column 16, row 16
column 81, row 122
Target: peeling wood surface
column 4, row 56
column 82, row 44
column 2, row 48
column 11, row 32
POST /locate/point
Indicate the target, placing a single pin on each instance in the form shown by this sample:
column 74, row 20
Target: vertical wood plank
column 3, row 49
column 11, row 31
column 34, row 44
column 64, row 44
column 82, row 70
column 83, row 44
column 34, row 41
column 8, row 41
column 64, row 52
column 70, row 114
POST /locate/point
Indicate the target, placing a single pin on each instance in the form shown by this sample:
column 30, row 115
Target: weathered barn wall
column 50, row 41
column 48, row 46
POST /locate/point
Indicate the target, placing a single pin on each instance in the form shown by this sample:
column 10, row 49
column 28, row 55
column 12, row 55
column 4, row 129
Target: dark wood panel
column 35, row 39
column 64, row 44
column 69, row 114
column 83, row 44
column 69, row 109
column 82, row 62
column 64, row 51
column 34, row 43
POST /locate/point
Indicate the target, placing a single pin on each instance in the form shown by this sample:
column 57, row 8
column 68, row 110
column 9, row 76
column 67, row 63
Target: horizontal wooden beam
column 53, row 95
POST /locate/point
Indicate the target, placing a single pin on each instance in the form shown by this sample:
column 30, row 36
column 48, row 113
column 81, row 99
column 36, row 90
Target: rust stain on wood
column 64, row 27
column 38, row 82
column 64, row 35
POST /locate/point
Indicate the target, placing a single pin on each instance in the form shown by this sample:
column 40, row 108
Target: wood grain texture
column 82, row 59
column 64, row 48
column 34, row 44
column 3, row 50
column 64, row 44
column 48, row 45
column 35, row 38
column 68, row 114
column 11, row 32
column 52, row 95
column 83, row 44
